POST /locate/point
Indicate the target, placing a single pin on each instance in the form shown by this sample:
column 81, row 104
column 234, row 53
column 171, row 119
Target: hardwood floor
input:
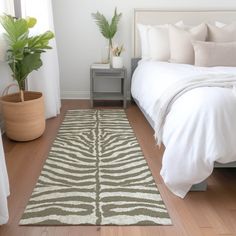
column 207, row 213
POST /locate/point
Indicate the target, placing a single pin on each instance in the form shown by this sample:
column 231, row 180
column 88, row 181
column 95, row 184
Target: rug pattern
column 95, row 175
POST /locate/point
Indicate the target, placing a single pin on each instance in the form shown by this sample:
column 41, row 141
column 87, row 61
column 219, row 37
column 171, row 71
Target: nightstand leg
column 125, row 90
column 91, row 88
column 124, row 105
column 122, row 86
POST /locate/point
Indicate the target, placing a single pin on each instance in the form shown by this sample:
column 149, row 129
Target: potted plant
column 23, row 112
column 108, row 30
column 117, row 60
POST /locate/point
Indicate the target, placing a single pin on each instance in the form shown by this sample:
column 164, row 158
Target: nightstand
column 98, row 74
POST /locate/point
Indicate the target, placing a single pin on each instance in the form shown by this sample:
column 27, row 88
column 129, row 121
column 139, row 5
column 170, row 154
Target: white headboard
column 191, row 17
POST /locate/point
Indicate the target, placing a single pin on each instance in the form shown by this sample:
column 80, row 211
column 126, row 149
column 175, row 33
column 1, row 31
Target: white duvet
column 200, row 127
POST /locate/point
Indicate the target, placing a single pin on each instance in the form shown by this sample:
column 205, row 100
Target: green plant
column 108, row 30
column 24, row 51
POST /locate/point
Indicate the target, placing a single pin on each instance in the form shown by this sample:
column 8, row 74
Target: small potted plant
column 117, row 60
column 23, row 112
column 108, row 30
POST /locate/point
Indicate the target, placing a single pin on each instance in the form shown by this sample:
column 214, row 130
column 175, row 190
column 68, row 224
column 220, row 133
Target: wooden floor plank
column 208, row 232
column 210, row 213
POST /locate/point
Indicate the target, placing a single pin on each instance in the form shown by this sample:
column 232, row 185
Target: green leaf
column 41, row 41
column 31, row 22
column 16, row 29
column 102, row 24
column 114, row 23
column 48, row 35
column 19, row 45
column 30, row 63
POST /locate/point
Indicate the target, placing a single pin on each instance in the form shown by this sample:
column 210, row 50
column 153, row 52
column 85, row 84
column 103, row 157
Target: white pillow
column 219, row 24
column 225, row 33
column 181, row 48
column 216, row 23
column 143, row 29
column 215, row 54
column 182, row 25
column 158, row 34
column 158, row 40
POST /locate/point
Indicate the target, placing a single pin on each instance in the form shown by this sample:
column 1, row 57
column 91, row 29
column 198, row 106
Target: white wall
column 80, row 42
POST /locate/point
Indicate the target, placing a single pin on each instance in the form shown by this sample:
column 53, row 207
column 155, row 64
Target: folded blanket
column 164, row 104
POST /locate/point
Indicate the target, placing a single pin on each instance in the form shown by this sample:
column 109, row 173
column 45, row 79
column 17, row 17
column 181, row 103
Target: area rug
column 95, row 175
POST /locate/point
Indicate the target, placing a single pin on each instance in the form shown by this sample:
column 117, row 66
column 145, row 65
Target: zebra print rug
column 95, row 175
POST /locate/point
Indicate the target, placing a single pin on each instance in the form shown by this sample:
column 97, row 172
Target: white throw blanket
column 164, row 104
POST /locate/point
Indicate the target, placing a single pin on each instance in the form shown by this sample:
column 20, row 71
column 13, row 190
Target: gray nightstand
column 96, row 74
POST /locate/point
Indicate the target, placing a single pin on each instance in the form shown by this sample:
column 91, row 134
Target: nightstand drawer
column 113, row 74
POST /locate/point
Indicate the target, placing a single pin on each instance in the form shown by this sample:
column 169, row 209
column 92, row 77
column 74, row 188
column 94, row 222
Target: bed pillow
column 143, row 29
column 158, row 40
column 225, row 33
column 214, row 54
column 154, row 41
column 181, row 48
column 189, row 26
column 219, row 24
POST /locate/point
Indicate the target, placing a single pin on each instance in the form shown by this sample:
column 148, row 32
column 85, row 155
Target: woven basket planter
column 24, row 121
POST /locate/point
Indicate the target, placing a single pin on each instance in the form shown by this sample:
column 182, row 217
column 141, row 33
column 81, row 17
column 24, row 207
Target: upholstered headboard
column 189, row 17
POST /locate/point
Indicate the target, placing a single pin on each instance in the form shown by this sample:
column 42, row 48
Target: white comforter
column 200, row 127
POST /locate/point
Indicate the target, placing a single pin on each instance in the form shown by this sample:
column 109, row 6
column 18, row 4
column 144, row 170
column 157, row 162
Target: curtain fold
column 4, row 186
column 6, row 6
column 46, row 79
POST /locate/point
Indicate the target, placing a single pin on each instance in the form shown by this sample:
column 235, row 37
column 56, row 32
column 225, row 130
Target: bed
column 190, row 153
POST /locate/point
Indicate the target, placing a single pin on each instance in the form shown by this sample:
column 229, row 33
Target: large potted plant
column 108, row 30
column 23, row 112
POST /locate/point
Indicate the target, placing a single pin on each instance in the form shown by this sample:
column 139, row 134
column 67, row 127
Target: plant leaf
column 16, row 29
column 31, row 21
column 114, row 23
column 30, row 63
column 102, row 24
column 40, row 41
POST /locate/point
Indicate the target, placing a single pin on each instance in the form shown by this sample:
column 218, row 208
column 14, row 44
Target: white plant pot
column 117, row 62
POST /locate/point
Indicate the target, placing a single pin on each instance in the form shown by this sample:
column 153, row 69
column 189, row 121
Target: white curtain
column 4, row 187
column 46, row 79
column 6, row 6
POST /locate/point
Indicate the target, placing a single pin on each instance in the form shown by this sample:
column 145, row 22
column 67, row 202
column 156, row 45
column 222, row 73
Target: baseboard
column 75, row 95
column 80, row 95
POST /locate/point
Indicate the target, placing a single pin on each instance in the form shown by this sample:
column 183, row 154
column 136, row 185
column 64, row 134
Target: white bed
column 199, row 129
